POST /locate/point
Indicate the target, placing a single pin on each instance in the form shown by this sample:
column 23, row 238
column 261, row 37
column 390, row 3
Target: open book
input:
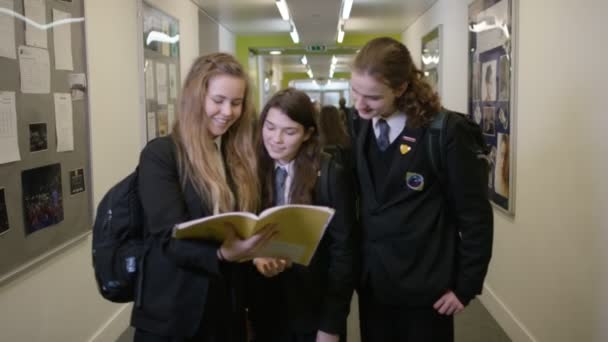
column 300, row 229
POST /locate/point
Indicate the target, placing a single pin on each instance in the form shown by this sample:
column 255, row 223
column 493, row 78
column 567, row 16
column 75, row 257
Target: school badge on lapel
column 404, row 149
column 414, row 181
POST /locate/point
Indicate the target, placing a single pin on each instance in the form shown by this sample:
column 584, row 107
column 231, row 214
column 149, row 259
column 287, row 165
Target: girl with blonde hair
column 206, row 166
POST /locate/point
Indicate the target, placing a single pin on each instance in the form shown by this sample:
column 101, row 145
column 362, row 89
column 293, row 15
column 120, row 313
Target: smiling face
column 283, row 136
column 371, row 97
column 223, row 103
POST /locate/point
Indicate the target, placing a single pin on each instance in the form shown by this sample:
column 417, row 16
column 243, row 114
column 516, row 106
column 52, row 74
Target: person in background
column 205, row 167
column 350, row 117
column 290, row 302
column 334, row 138
column 426, row 244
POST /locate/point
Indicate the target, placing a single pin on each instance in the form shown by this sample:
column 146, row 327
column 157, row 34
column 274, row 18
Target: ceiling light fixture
column 304, row 60
column 282, row 6
column 294, row 34
column 347, row 5
column 275, row 52
column 309, row 73
column 340, row 33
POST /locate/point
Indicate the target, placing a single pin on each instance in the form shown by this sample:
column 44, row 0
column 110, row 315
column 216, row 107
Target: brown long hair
column 331, row 127
column 197, row 155
column 390, row 62
column 298, row 107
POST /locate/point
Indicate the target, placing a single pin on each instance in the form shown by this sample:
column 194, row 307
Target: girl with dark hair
column 427, row 241
column 332, row 129
column 334, row 138
column 290, row 302
column 205, row 167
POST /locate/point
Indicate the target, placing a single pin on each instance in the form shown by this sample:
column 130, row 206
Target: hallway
column 475, row 324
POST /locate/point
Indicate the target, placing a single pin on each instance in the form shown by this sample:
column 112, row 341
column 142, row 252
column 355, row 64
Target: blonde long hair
column 197, row 155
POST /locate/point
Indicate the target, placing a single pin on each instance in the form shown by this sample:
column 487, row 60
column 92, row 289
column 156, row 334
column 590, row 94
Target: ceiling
column 316, row 22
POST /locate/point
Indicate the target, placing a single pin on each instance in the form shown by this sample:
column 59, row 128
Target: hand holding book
column 236, row 249
column 299, row 229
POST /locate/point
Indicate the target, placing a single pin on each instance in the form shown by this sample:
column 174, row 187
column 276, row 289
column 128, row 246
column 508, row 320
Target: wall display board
column 492, row 91
column 432, row 58
column 44, row 135
column 161, row 70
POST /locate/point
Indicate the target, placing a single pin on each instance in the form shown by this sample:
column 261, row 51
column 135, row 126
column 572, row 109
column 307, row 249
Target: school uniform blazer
column 423, row 238
column 176, row 273
column 317, row 297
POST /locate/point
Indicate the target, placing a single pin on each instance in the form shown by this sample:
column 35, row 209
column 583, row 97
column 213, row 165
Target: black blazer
column 419, row 243
column 179, row 275
column 317, row 297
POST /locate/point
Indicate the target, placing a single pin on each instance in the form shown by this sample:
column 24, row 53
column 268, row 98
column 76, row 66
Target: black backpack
column 437, row 144
column 118, row 246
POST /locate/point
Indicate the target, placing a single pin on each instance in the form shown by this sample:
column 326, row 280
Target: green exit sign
column 316, row 48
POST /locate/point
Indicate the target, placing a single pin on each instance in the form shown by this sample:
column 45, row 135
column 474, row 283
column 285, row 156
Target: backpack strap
column 436, row 145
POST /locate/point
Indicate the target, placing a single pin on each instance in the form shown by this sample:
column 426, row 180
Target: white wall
column 227, row 40
column 548, row 277
column 208, row 34
column 57, row 300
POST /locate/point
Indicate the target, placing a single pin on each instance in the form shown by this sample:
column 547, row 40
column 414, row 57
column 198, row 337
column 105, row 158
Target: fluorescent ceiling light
column 155, row 36
column 304, row 60
column 309, row 73
column 347, row 5
column 334, row 60
column 275, row 52
column 340, row 35
column 38, row 25
column 282, row 6
column 294, row 35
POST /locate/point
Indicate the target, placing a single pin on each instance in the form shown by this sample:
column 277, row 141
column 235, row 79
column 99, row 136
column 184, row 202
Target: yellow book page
column 214, row 227
column 300, row 229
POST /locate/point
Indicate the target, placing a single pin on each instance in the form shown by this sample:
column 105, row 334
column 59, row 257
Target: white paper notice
column 78, row 85
column 7, row 31
column 149, row 75
column 62, row 40
column 173, row 81
column 9, row 145
column 171, row 115
column 35, row 69
column 36, row 11
column 63, row 122
column 151, row 125
column 161, row 83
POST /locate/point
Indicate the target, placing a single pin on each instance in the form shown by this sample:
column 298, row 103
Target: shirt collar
column 397, row 119
column 218, row 143
column 287, row 167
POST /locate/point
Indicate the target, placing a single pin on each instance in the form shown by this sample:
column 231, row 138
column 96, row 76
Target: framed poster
column 44, row 132
column 161, row 81
column 491, row 85
column 432, row 59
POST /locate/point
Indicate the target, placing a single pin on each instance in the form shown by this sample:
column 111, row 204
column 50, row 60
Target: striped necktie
column 280, row 175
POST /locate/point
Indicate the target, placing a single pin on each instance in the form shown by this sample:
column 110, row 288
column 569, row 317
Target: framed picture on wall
column 44, row 133
column 160, row 62
column 491, row 85
column 432, row 59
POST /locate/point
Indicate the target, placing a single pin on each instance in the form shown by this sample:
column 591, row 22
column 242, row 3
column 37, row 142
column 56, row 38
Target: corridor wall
column 57, row 300
column 548, row 276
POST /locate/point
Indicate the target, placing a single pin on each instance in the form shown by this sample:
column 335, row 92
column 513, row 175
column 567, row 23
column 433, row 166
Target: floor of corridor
column 475, row 324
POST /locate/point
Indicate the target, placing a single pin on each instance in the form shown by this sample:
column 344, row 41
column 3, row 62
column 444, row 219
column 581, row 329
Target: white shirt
column 396, row 122
column 289, row 168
